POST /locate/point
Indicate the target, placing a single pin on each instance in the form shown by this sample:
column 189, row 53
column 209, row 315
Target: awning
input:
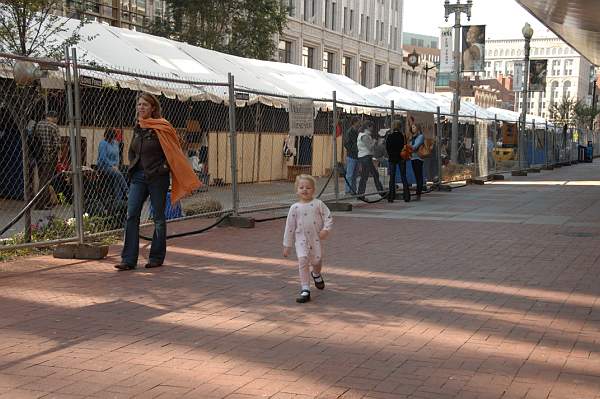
column 574, row 21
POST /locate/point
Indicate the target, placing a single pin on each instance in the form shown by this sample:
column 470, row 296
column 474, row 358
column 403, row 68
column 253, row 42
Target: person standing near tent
column 46, row 131
column 366, row 144
column 350, row 137
column 154, row 154
column 394, row 144
column 416, row 141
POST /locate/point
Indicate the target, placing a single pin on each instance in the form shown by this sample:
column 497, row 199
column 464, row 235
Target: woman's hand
column 286, row 252
column 323, row 234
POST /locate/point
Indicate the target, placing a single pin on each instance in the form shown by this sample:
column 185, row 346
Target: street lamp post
column 456, row 9
column 527, row 34
column 427, row 68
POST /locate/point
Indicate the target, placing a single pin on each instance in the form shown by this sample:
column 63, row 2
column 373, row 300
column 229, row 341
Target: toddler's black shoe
column 319, row 282
column 303, row 297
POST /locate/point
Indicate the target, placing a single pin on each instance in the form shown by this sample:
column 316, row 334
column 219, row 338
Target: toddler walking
column 308, row 223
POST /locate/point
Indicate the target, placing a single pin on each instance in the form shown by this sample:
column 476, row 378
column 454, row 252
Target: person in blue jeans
column 149, row 176
column 350, row 137
column 108, row 163
column 416, row 141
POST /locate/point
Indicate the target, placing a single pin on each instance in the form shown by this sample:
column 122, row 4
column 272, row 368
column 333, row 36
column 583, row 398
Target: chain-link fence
column 66, row 129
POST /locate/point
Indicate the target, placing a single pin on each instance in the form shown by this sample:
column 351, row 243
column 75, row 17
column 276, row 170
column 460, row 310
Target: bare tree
column 32, row 28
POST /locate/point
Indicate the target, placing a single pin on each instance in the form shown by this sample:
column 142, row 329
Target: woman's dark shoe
column 303, row 297
column 319, row 282
column 124, row 266
column 151, row 265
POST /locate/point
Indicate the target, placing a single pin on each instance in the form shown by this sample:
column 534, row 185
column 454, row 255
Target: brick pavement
column 484, row 292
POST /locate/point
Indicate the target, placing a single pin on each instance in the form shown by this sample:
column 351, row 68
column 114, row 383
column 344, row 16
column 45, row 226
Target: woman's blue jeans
column 139, row 190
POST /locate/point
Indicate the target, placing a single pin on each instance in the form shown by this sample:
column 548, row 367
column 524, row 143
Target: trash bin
column 589, row 152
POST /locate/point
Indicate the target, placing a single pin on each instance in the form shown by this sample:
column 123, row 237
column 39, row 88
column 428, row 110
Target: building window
column 347, row 66
column 327, row 13
column 364, row 66
column 308, row 57
column 345, row 22
column 392, row 76
column 567, row 89
column 395, row 38
column 553, row 92
column 333, row 12
column 284, row 50
column 309, row 9
column 381, row 31
column 568, row 67
column 368, row 28
column 556, row 67
column 362, row 25
column 378, row 74
column 377, row 34
column 291, row 8
column 351, row 20
column 328, row 61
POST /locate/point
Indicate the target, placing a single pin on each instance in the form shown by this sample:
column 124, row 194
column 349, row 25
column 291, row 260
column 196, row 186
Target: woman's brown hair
column 153, row 101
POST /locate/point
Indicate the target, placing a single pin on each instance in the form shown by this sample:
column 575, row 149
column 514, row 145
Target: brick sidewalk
column 484, row 292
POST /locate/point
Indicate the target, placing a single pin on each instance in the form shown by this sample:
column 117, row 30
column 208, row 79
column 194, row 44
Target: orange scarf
column 184, row 179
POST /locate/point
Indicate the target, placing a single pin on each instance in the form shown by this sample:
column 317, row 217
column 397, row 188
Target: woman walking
column 366, row 143
column 155, row 158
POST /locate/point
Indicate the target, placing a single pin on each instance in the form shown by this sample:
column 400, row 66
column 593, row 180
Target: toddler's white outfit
column 302, row 227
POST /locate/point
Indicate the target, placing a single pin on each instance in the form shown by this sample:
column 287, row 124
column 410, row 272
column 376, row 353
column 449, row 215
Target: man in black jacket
column 350, row 137
column 394, row 145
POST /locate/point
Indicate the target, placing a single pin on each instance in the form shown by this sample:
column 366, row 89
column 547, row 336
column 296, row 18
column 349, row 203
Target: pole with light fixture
column 527, row 35
column 456, row 9
column 427, row 68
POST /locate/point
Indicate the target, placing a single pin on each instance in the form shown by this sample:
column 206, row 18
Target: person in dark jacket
column 394, row 145
column 350, row 137
column 149, row 176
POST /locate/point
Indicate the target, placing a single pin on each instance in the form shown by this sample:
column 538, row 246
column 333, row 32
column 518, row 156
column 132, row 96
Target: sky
column 504, row 18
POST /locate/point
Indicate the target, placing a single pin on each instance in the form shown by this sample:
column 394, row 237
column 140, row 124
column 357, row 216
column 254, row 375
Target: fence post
column 533, row 163
column 334, row 170
column 494, row 141
column 73, row 147
column 438, row 134
column 546, row 143
column 233, row 146
column 78, row 161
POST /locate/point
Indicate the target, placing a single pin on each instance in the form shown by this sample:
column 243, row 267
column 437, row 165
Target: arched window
column 560, row 51
column 512, row 51
column 502, row 53
column 553, row 92
column 495, row 52
column 554, row 51
column 567, row 89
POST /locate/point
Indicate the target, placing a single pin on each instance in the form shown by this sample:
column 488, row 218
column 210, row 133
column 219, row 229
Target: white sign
column 446, row 51
column 518, row 78
column 302, row 112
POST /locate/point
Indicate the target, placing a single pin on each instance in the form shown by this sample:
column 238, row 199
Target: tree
column 31, row 28
column 585, row 115
column 240, row 27
column 563, row 113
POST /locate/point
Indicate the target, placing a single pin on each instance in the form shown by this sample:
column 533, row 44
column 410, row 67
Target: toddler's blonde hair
column 305, row 177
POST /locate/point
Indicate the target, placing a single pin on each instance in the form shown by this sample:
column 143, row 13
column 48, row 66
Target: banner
column 301, row 112
column 446, row 51
column 538, row 69
column 518, row 77
column 473, row 48
column 424, row 120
